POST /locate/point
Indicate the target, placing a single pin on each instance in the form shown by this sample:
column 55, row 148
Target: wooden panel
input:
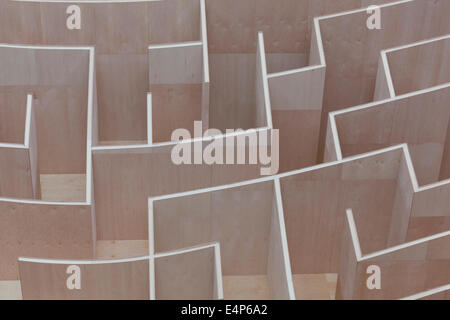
column 401, row 212
column 174, row 21
column 420, row 227
column 122, row 112
column 25, row 231
column 13, row 108
column 352, row 53
column 232, row 91
column 186, row 275
column 383, row 82
column 121, row 249
column 445, row 167
column 16, row 180
column 46, row 280
column 296, row 100
column 416, row 267
column 419, row 120
column 63, row 187
column 175, row 78
column 432, row 202
column 58, row 81
column 144, row 172
column 233, row 24
column 421, row 66
column 315, row 202
column 278, row 268
column 238, row 219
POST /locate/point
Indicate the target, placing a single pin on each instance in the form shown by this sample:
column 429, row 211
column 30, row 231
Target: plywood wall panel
column 99, row 281
column 350, row 80
column 12, row 115
column 320, row 195
column 419, row 120
column 238, row 219
column 43, row 230
column 173, row 21
column 187, row 275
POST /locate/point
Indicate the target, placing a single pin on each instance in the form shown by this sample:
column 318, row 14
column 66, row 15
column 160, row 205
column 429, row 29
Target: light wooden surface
column 185, row 275
column 390, row 206
column 58, row 81
column 138, row 173
column 43, row 230
column 121, row 249
column 406, row 270
column 63, row 187
column 10, row 290
column 47, row 281
column 246, row 287
column 352, row 68
column 421, row 66
column 237, row 218
column 315, row 286
column 175, row 81
column 315, row 202
column 420, row 120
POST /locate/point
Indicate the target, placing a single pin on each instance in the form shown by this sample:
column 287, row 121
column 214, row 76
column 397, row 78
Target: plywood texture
column 88, row 175
column 47, row 280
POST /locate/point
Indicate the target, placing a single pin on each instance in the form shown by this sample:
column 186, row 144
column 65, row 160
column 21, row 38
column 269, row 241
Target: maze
column 350, row 198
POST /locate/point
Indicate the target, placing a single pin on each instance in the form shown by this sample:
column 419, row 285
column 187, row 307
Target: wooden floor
column 10, row 290
column 63, row 187
column 306, row 286
column 315, row 286
column 246, row 288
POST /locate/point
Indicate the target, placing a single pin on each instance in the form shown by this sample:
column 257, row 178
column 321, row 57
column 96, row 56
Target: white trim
column 183, row 251
column 405, row 245
column 173, row 143
column 294, row 71
column 12, row 146
column 82, row 262
column 354, row 234
column 204, row 31
column 49, row 47
column 151, row 229
column 267, row 103
column 152, row 278
column 387, row 72
column 417, row 43
column 175, row 45
column 344, row 13
column 434, row 185
column 284, row 242
column 219, row 277
column 281, row 175
column 319, row 41
column 411, row 170
column 89, row 125
column 28, row 121
column 335, row 133
column 396, row 98
column 427, row 293
column 149, row 120
column 88, row 1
